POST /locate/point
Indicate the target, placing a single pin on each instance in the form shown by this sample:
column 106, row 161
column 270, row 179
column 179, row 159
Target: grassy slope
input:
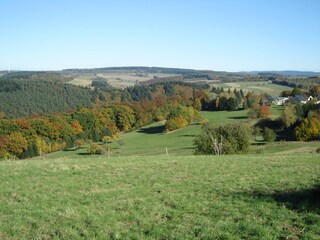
column 151, row 140
column 203, row 197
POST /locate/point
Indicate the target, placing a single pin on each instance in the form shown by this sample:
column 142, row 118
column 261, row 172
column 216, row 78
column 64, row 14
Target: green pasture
column 158, row 197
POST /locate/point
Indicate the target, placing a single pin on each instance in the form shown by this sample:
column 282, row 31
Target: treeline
column 138, row 93
column 221, row 100
column 224, row 100
column 37, row 76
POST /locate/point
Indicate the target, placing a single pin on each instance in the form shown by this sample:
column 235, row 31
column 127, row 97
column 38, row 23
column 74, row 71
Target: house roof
column 300, row 98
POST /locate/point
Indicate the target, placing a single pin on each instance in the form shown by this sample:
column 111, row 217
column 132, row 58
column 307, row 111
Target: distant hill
column 289, row 73
column 134, row 68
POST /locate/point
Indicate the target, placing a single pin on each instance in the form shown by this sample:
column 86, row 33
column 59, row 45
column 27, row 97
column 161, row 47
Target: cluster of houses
column 280, row 101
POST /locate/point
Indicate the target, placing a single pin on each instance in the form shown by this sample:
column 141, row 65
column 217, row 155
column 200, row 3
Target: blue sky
column 218, row 35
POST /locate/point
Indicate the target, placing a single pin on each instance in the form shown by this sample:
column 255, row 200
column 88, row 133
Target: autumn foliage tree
column 309, row 129
column 175, row 123
column 16, row 144
column 257, row 111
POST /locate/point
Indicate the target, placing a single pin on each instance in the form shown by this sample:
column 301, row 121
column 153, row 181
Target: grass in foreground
column 197, row 197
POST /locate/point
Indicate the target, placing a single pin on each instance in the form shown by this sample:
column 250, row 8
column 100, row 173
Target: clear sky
column 238, row 35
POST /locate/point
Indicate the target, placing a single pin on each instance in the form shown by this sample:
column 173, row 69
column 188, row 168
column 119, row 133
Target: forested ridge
column 33, row 93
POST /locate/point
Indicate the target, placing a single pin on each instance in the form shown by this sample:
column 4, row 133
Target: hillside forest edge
column 42, row 113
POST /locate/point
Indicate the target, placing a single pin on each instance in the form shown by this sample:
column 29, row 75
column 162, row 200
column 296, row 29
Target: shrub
column 93, row 148
column 223, row 139
column 107, row 139
column 269, row 135
column 79, row 143
column 176, row 123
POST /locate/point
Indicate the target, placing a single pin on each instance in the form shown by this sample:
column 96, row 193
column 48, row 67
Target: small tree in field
column 223, row 139
column 269, row 135
column 79, row 143
column 257, row 111
column 289, row 116
column 264, row 111
column 93, row 148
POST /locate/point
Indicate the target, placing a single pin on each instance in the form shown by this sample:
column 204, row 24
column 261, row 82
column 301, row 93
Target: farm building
column 301, row 99
column 270, row 100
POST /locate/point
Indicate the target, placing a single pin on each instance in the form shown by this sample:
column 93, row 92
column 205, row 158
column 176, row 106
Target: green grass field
column 195, row 197
column 258, row 87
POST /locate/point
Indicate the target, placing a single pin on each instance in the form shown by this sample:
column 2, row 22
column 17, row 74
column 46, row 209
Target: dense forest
column 29, row 93
column 22, row 97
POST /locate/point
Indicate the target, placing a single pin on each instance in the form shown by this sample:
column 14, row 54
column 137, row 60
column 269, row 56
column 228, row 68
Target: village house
column 301, row 99
column 270, row 100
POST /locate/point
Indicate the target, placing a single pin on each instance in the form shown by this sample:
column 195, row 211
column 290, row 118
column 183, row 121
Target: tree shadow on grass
column 188, row 135
column 187, row 148
column 300, row 200
column 258, row 143
column 238, row 117
column 84, row 153
column 152, row 130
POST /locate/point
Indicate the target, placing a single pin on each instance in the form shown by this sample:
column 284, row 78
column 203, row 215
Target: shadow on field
column 84, row 153
column 152, row 130
column 188, row 148
column 301, row 200
column 239, row 117
column 258, row 143
column 188, row 135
